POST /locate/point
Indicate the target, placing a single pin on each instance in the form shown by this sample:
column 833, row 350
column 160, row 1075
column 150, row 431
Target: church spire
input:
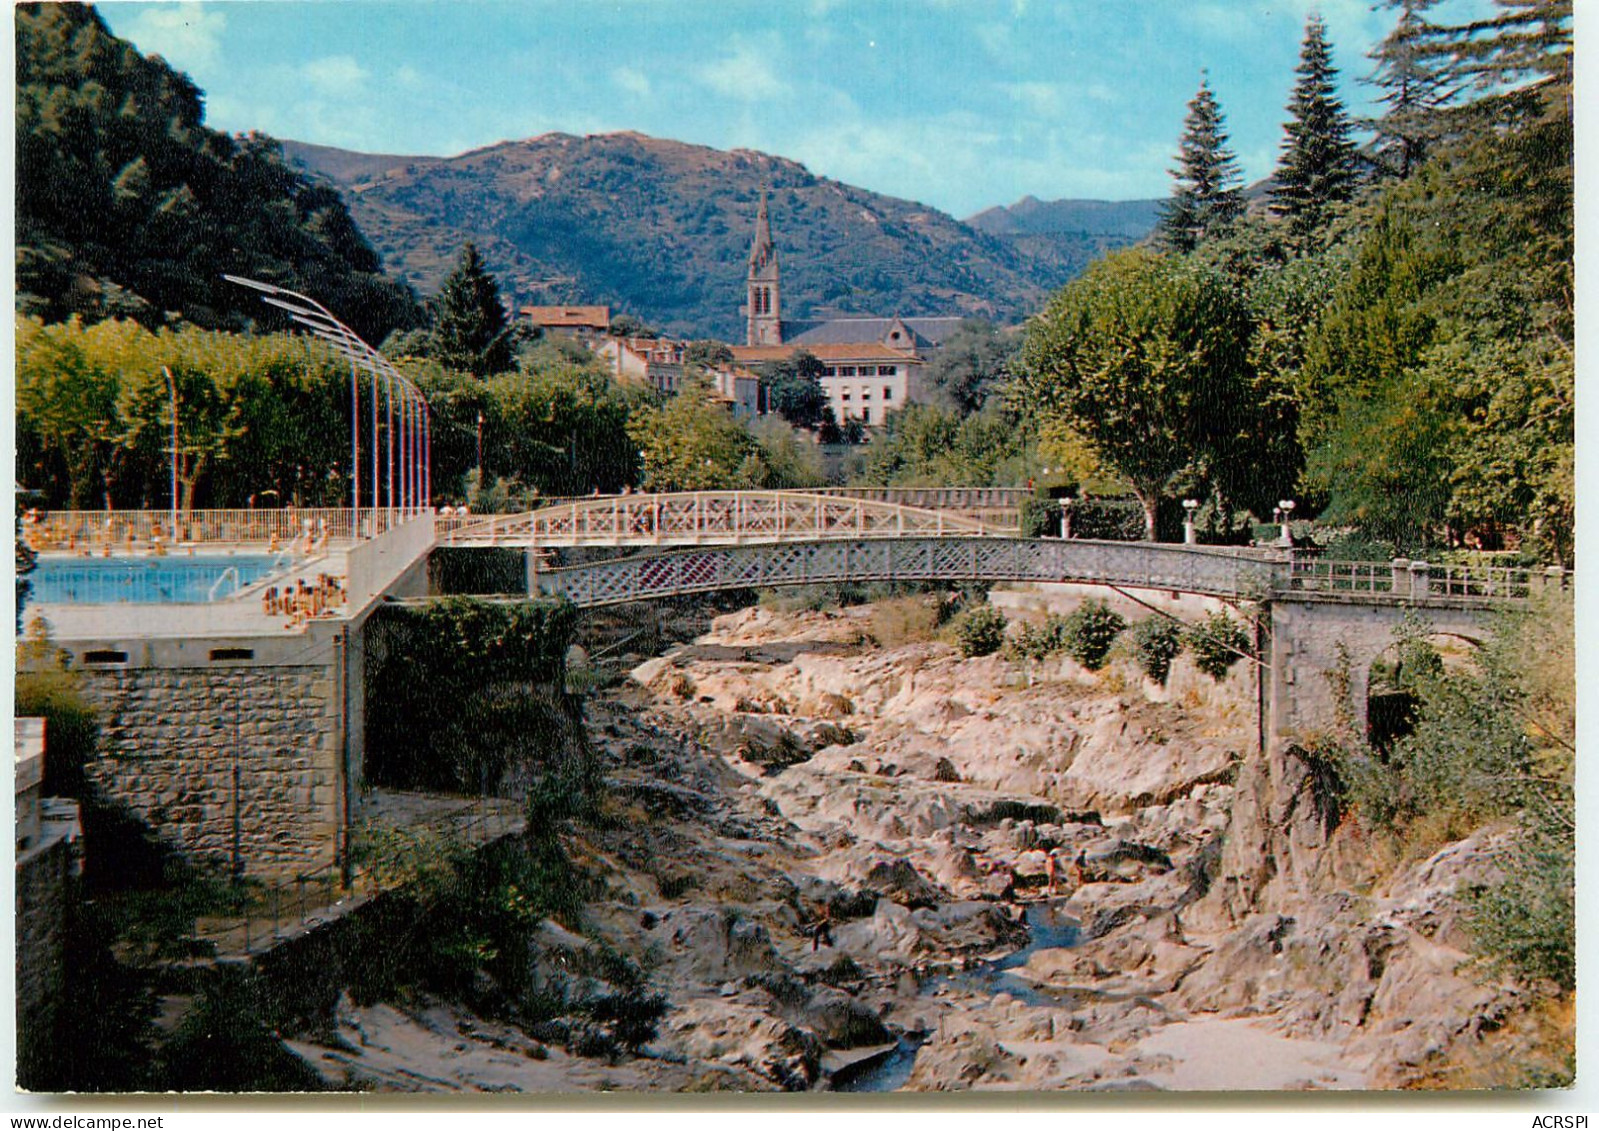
column 763, row 307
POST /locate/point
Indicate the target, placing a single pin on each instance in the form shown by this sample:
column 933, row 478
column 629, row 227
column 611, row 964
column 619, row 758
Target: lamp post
column 172, row 389
column 1190, row 535
column 1286, row 508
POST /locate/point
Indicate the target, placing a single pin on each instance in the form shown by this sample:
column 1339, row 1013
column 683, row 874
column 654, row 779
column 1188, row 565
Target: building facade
column 869, row 365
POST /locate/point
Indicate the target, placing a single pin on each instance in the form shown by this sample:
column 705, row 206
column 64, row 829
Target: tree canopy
column 1319, row 167
column 470, row 330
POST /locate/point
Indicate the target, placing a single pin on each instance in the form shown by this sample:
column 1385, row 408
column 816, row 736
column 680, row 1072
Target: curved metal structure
column 401, row 430
column 1145, row 565
column 705, row 518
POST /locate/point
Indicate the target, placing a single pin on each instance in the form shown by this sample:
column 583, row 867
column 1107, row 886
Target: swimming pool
column 148, row 581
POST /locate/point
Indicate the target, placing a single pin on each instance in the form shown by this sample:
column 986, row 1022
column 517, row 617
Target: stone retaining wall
column 194, row 751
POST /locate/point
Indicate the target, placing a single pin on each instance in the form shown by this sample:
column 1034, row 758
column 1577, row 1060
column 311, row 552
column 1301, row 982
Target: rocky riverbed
column 784, row 770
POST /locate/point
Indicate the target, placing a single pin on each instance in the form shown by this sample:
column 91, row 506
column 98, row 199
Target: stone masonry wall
column 41, row 906
column 172, row 739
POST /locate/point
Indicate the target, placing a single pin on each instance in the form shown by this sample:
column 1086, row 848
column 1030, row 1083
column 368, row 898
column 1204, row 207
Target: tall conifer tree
column 470, row 332
column 1415, row 86
column 1319, row 167
column 1209, row 192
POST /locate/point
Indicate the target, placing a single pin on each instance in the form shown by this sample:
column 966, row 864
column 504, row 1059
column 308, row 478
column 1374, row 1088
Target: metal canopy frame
column 401, row 435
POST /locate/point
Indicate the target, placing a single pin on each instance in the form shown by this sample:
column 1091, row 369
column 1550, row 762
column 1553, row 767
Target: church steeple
column 763, row 306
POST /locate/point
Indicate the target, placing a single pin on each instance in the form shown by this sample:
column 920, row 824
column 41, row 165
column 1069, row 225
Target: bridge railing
column 1403, row 578
column 1136, row 565
column 706, row 517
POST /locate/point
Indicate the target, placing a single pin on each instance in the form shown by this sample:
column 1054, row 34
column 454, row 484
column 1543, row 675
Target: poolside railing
column 111, row 532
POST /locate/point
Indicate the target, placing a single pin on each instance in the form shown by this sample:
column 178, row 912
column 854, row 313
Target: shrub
column 1528, row 923
column 71, row 727
column 1031, row 643
column 1040, row 518
column 979, row 631
column 1156, row 643
column 1090, row 631
column 1217, row 643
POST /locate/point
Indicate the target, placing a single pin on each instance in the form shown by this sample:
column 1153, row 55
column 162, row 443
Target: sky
column 961, row 104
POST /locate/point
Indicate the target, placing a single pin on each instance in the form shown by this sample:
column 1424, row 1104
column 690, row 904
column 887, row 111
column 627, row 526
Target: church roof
column 927, row 332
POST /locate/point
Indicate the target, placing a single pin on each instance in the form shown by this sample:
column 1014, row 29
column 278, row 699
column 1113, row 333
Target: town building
column 583, row 322
column 656, row 362
column 869, row 365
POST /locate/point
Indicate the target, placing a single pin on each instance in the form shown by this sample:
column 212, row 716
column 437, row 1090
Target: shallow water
column 1047, row 929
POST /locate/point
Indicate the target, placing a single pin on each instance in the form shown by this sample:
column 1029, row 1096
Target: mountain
column 1061, row 237
column 662, row 229
column 129, row 206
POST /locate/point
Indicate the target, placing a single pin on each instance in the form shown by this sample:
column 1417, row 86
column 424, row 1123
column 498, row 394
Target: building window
column 866, row 416
column 830, row 371
column 888, row 393
column 866, row 394
column 844, row 395
column 885, row 370
column 846, row 371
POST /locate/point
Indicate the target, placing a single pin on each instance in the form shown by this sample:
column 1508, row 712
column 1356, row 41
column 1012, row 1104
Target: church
column 869, row 364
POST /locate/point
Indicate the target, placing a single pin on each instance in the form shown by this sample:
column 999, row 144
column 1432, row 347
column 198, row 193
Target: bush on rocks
column 979, row 631
column 1090, row 631
column 1217, row 643
column 1156, row 643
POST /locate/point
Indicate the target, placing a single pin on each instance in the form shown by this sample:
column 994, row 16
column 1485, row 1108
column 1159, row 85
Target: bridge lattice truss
column 1215, row 573
column 705, row 518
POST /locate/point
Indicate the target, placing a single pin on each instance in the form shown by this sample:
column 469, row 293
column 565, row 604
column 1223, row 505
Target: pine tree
column 1209, row 191
column 1415, row 85
column 470, row 331
column 1319, row 167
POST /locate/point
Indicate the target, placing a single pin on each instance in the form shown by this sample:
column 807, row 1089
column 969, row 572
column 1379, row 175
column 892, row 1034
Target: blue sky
column 961, row 104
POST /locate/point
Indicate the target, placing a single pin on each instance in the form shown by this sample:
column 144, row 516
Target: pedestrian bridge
column 708, row 518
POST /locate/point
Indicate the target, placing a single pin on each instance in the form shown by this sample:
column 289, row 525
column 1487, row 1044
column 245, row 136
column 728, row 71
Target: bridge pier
column 1319, row 655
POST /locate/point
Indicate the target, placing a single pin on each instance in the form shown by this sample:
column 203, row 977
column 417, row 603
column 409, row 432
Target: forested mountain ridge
column 129, row 206
column 661, row 229
column 1063, row 236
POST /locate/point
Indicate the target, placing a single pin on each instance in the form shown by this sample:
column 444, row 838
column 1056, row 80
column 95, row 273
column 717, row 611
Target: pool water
column 148, row 581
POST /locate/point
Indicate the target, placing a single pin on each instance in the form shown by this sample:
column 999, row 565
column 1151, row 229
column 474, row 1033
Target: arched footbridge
column 1326, row 622
column 709, row 518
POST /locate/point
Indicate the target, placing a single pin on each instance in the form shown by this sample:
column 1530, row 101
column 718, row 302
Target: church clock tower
column 763, row 307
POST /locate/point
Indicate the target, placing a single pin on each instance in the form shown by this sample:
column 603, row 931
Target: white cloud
column 335, row 74
column 632, row 80
column 746, row 75
column 185, row 35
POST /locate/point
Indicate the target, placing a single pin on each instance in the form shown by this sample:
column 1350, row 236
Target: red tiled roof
column 598, row 316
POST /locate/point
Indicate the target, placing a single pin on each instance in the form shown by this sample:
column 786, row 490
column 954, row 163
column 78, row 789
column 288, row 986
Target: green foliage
column 1217, row 642
column 973, row 362
column 129, row 207
column 468, row 697
column 1089, row 631
column 1040, row 518
column 470, row 331
column 1156, row 643
column 1527, row 923
column 1147, row 358
column 693, row 444
column 794, row 389
column 789, row 455
column 1319, row 167
column 927, row 446
column 1209, row 192
column 979, row 631
column 71, row 726
column 225, row 1044
column 1036, row 643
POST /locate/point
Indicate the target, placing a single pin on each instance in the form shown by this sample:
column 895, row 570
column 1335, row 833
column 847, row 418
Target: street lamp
column 1286, row 508
column 172, row 388
column 1190, row 536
